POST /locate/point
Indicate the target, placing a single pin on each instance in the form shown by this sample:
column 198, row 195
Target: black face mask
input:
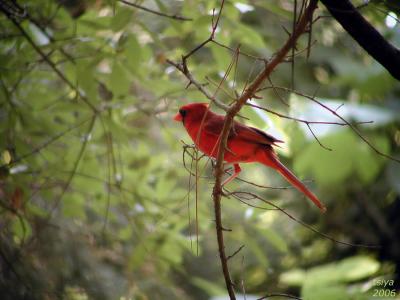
column 183, row 114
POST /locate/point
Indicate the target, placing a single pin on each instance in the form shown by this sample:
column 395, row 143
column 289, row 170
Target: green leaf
column 121, row 19
column 86, row 80
column 294, row 277
column 90, row 22
column 21, row 229
column 276, row 8
column 324, row 169
column 256, row 276
column 348, row 150
column 357, row 267
column 248, row 36
column 221, row 57
column 347, row 270
column 368, row 164
column 202, row 25
column 133, row 54
column 119, row 80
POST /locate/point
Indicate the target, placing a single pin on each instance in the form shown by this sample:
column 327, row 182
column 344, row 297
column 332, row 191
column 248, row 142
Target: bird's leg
column 236, row 169
column 227, row 167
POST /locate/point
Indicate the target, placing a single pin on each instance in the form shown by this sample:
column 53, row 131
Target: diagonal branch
column 76, row 163
column 233, row 110
column 344, row 123
column 45, row 58
column 365, row 35
column 185, row 71
column 182, row 66
column 244, row 197
column 251, row 90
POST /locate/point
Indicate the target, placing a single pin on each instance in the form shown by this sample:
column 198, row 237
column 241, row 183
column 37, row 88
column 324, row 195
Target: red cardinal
column 245, row 144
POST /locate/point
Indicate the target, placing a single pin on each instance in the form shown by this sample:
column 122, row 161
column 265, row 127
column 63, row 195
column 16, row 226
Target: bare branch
column 267, row 296
column 365, row 35
column 345, row 122
column 233, row 110
column 45, row 144
column 240, row 52
column 76, row 163
column 236, row 252
column 44, row 32
column 155, row 12
column 316, row 138
column 183, row 68
column 45, row 58
column 239, row 195
column 294, row 23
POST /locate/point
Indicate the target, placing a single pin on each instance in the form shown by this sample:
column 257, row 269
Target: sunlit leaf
column 21, row 229
column 121, row 19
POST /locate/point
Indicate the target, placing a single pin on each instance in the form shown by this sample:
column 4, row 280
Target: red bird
column 245, row 144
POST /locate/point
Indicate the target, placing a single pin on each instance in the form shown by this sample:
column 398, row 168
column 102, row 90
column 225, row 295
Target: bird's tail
column 272, row 161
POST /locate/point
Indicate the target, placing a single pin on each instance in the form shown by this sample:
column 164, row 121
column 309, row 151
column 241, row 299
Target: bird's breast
column 237, row 150
column 207, row 143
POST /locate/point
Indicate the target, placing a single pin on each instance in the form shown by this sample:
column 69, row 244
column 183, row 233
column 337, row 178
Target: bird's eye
column 182, row 112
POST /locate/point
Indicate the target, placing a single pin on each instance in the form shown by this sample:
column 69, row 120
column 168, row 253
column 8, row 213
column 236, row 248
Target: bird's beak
column 178, row 117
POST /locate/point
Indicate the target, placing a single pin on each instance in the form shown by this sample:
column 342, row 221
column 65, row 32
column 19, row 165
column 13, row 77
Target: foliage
column 95, row 203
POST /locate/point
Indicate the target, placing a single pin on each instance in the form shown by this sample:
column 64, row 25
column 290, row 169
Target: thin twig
column 198, row 85
column 188, row 204
column 233, row 110
column 277, row 93
column 49, row 61
column 156, row 12
column 110, row 164
column 197, row 175
column 236, row 252
column 182, row 66
column 45, row 144
column 76, row 163
column 345, row 122
column 240, row 52
column 44, row 32
column 239, row 195
column 309, row 42
column 316, row 138
column 267, row 296
column 294, row 23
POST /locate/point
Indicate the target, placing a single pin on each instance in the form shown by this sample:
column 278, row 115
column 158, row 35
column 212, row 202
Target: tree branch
column 182, row 66
column 365, row 35
column 155, row 12
column 50, row 63
column 244, row 197
column 233, row 110
column 279, row 295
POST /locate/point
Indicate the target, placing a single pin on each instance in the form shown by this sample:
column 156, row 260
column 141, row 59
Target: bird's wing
column 255, row 135
column 214, row 125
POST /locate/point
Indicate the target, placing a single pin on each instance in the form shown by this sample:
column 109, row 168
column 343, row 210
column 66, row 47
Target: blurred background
column 96, row 202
